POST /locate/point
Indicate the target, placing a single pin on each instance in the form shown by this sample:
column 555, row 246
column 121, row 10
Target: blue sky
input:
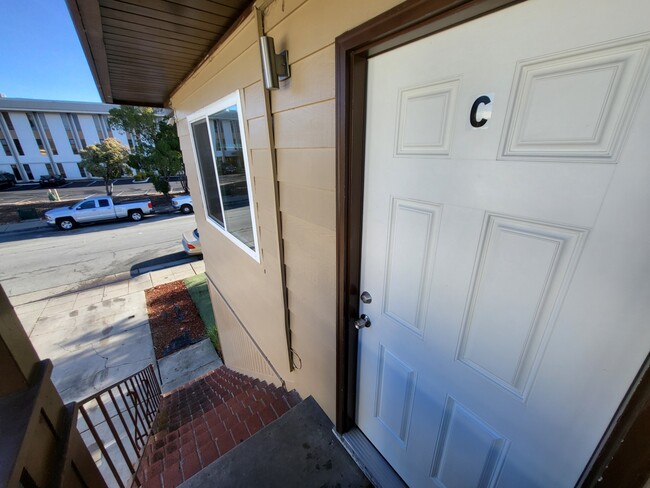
column 40, row 54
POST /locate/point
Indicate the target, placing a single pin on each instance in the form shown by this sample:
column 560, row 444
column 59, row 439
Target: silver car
column 191, row 243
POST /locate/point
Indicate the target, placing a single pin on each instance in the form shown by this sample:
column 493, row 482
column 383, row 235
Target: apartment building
column 40, row 137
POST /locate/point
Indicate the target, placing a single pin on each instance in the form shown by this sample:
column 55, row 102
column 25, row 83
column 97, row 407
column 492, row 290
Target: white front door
column 506, row 243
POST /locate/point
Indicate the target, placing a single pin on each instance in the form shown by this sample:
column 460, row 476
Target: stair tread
column 206, row 418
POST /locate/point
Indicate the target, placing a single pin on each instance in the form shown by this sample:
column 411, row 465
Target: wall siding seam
column 298, row 107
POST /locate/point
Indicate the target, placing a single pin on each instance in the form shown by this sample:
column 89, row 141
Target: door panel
column 508, row 263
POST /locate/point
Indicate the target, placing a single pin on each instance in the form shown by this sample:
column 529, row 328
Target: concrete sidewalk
column 100, row 335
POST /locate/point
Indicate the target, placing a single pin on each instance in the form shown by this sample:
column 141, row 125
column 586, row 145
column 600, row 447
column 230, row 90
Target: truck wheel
column 186, row 209
column 66, row 223
column 135, row 215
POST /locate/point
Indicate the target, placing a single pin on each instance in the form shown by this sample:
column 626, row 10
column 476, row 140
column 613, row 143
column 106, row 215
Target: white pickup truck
column 94, row 209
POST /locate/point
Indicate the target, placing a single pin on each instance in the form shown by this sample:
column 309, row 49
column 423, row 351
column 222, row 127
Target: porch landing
column 299, row 449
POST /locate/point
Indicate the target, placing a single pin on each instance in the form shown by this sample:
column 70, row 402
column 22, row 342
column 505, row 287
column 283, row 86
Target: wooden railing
column 40, row 445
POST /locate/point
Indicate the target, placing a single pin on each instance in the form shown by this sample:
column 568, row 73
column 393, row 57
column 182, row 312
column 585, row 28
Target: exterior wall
column 302, row 112
column 17, row 110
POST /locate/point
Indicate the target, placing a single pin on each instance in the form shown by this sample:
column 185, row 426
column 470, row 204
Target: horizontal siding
column 258, row 134
column 317, row 207
column 254, row 102
column 312, row 168
column 261, row 164
column 311, row 82
column 310, row 126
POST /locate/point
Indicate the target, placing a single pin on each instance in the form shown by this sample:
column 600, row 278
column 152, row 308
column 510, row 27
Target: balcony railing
column 118, row 421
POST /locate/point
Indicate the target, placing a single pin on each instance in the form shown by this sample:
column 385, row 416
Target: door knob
column 362, row 322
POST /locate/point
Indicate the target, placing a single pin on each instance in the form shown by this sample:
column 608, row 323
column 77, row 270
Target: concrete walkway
column 100, row 335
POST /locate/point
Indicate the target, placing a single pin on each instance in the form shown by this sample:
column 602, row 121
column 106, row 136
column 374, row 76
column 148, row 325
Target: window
column 14, row 168
column 49, row 169
column 68, row 131
column 36, row 132
column 87, row 205
column 82, row 170
column 104, row 203
column 222, row 161
column 61, row 169
column 48, row 134
column 4, row 143
column 109, row 131
column 28, row 171
column 12, row 132
column 99, row 128
column 80, row 133
column 129, row 137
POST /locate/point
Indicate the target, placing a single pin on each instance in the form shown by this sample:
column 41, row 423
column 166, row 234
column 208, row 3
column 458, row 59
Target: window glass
column 61, row 169
column 13, row 134
column 221, row 157
column 4, row 143
column 82, row 170
column 37, row 133
column 86, row 205
column 28, row 170
column 48, row 133
column 80, row 133
column 231, row 170
column 208, row 174
column 69, row 133
column 14, row 168
column 98, row 128
column 103, row 203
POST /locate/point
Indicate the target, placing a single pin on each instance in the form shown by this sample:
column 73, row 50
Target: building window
column 82, row 170
column 98, row 127
column 28, row 171
column 105, row 124
column 12, row 133
column 4, row 143
column 14, row 168
column 80, row 133
column 61, row 169
column 222, row 161
column 50, row 170
column 36, row 132
column 129, row 138
column 68, row 131
column 48, row 134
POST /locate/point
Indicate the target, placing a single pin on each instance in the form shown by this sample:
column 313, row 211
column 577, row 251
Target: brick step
column 197, row 424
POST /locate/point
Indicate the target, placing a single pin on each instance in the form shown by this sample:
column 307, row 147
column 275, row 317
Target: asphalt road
column 80, row 189
column 45, row 258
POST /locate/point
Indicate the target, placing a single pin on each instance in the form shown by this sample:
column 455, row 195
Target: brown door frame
column 409, row 21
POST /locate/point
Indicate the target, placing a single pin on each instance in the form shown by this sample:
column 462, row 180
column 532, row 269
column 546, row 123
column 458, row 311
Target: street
column 46, row 258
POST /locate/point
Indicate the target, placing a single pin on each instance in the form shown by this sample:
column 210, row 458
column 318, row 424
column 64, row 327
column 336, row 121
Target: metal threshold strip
column 369, row 460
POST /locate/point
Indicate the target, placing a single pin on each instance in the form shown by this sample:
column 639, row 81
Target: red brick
column 240, row 433
column 268, row 415
column 191, row 465
column 225, row 443
column 172, row 459
column 154, row 470
column 280, row 407
column 208, row 452
column 187, row 438
column 217, row 428
column 152, row 483
column 172, row 476
column 253, row 423
column 187, row 449
column 203, row 437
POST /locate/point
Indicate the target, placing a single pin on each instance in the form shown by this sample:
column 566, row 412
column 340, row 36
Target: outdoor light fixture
column 275, row 67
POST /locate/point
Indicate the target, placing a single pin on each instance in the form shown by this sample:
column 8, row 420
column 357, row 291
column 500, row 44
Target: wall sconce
column 275, row 67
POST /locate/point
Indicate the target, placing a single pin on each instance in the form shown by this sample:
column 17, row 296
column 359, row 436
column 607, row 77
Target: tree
column 109, row 159
column 156, row 148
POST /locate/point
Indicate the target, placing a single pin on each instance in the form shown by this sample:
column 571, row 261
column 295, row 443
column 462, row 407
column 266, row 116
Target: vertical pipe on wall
column 276, row 192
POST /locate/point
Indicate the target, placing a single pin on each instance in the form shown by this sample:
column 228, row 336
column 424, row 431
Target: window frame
column 204, row 114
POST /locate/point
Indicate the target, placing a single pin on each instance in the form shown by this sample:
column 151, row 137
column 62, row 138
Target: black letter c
column 484, row 99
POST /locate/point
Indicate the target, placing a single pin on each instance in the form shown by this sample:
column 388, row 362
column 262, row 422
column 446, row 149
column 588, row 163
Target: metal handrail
column 135, row 402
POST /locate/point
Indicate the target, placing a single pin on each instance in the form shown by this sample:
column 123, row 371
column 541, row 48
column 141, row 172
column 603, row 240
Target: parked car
column 7, row 180
column 51, row 180
column 95, row 209
column 183, row 203
column 191, row 243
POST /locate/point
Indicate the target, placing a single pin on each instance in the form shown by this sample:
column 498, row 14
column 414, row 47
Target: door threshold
column 369, row 460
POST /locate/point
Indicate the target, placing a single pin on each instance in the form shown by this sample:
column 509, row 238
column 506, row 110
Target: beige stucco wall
column 302, row 113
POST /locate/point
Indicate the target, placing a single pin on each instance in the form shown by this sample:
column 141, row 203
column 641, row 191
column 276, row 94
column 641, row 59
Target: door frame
column 405, row 23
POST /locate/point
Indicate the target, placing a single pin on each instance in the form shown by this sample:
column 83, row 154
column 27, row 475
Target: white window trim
column 203, row 114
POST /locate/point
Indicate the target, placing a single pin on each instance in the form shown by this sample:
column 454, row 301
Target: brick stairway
column 203, row 420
